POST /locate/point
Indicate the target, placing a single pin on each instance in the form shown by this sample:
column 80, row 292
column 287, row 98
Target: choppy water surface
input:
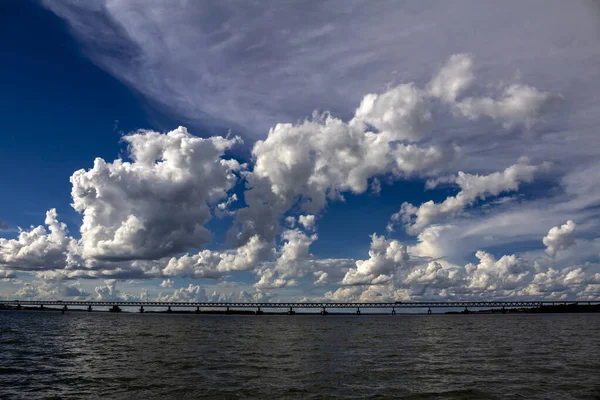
column 125, row 356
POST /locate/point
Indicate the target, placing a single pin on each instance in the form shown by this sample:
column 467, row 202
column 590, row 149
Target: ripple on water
column 149, row 356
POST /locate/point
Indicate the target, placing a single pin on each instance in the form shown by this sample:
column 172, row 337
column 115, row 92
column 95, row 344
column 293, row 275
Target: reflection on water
column 102, row 355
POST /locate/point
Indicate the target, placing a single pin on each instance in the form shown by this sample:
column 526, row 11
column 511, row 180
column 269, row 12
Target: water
column 125, row 356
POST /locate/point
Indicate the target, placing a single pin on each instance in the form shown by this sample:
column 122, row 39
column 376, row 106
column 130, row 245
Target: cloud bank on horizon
column 512, row 149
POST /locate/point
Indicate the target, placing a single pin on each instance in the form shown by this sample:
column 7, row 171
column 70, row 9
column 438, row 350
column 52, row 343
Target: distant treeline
column 558, row 308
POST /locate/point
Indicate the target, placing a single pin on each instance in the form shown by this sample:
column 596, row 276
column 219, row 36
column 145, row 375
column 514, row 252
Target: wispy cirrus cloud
column 250, row 65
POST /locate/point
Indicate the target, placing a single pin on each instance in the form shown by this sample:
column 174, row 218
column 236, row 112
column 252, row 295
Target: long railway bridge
column 291, row 306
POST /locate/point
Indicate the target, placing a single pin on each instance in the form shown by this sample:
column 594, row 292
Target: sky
column 333, row 150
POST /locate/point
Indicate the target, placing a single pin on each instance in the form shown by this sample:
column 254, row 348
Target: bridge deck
column 410, row 304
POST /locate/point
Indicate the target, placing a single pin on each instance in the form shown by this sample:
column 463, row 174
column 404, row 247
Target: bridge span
column 290, row 306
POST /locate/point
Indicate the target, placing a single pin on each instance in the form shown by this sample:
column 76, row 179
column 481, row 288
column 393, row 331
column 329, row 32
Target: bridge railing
column 303, row 305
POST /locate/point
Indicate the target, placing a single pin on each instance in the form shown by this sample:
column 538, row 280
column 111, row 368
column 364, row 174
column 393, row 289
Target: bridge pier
column 357, row 310
column 41, row 306
column 18, row 306
column 393, row 311
column 198, row 310
column 429, row 310
column 169, row 309
column 466, row 310
column 89, row 308
column 64, row 309
column 141, row 309
column 227, row 311
column 291, row 312
column 324, row 312
column 258, row 312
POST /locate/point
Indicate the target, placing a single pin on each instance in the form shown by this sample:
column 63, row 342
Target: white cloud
column 385, row 257
column 401, row 112
column 291, row 262
column 322, row 277
column 473, row 187
column 307, row 221
column 453, row 78
column 51, row 290
column 319, row 159
column 191, row 293
column 223, row 61
column 109, row 291
column 559, row 238
column 213, row 264
column 375, row 187
column 433, row 274
column 40, row 247
column 167, row 283
column 223, row 207
column 507, row 273
column 157, row 204
column 519, row 104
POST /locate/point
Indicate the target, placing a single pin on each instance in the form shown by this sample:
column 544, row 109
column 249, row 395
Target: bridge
column 290, row 306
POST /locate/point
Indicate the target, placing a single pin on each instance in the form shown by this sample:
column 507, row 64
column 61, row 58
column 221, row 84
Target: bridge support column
column 429, row 310
column 466, row 310
column 503, row 310
column 259, row 312
column 41, row 306
column 169, row 309
column 89, row 308
column 64, row 309
column 141, row 309
column 324, row 312
column 198, row 310
column 291, row 312
column 227, row 311
column 357, row 310
column 393, row 311
column 18, row 306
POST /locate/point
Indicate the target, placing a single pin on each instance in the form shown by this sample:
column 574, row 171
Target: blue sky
column 249, row 151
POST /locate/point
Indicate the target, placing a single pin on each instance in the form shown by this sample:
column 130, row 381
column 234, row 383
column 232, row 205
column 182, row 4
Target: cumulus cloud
column 108, row 291
column 213, row 264
column 223, row 208
column 167, row 283
column 490, row 274
column 322, row 277
column 473, row 187
column 156, row 204
column 519, row 104
column 319, row 159
column 51, row 290
column 433, row 274
column 307, row 221
column 559, row 238
column 291, row 262
column 453, row 78
column 191, row 293
column 385, row 257
column 42, row 247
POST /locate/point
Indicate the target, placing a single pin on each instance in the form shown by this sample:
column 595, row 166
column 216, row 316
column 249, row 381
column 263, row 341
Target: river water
column 158, row 356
